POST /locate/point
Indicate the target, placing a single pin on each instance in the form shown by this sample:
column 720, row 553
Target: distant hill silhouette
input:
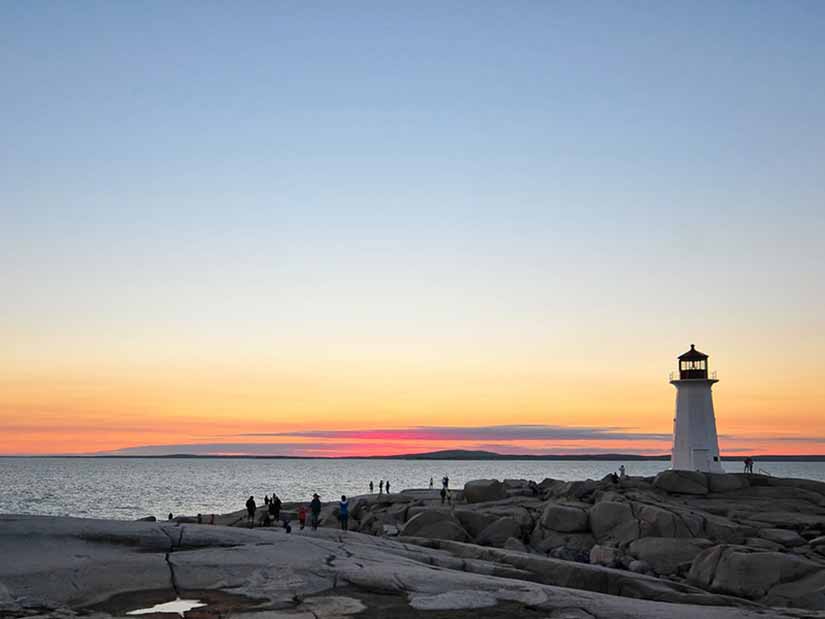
column 464, row 454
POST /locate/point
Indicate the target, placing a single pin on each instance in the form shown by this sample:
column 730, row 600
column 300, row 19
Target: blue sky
column 439, row 182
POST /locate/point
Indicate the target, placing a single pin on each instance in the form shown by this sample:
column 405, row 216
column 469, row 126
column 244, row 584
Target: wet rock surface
column 678, row 545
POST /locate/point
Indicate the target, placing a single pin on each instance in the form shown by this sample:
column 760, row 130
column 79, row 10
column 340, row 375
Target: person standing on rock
column 372, row 487
column 250, row 510
column 302, row 516
column 381, row 487
column 315, row 511
column 622, row 471
column 275, row 507
column 343, row 512
column 387, row 486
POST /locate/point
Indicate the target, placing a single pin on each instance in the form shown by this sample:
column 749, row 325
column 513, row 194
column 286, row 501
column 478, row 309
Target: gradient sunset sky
column 372, row 228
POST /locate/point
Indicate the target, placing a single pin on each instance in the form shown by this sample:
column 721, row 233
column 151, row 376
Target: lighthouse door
column 701, row 459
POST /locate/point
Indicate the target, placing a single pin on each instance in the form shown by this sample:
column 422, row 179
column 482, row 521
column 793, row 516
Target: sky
column 303, row 228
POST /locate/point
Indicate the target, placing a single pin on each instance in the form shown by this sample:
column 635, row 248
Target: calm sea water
column 136, row 487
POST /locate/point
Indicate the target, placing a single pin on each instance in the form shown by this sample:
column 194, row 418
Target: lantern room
column 693, row 365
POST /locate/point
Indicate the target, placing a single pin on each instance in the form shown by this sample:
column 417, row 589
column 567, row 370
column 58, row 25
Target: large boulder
column 435, row 524
column 660, row 522
column 609, row 519
column 807, row 592
column 745, row 572
column 498, row 532
column 725, row 482
column 682, row 482
column 482, row 490
column 564, row 518
column 574, row 489
column 474, row 522
column 666, row 554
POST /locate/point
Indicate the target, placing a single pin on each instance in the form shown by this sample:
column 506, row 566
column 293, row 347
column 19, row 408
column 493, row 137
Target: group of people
column 311, row 516
column 748, row 464
column 382, row 485
column 272, row 513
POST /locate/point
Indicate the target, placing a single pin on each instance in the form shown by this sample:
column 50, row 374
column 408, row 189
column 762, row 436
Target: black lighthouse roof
column 693, row 355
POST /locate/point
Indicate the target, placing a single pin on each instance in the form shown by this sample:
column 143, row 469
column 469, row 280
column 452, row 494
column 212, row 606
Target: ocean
column 132, row 488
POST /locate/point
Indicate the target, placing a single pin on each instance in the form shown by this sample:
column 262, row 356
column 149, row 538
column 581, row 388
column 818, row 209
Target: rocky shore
column 680, row 545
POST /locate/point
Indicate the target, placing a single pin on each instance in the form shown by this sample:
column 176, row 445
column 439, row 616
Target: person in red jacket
column 302, row 516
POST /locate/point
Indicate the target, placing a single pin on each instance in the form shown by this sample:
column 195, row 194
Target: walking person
column 343, row 512
column 315, row 511
column 250, row 511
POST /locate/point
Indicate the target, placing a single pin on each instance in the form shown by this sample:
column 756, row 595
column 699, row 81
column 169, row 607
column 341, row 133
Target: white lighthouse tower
column 695, row 444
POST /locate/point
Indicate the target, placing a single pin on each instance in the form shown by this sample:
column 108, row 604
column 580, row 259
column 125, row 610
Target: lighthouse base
column 695, row 444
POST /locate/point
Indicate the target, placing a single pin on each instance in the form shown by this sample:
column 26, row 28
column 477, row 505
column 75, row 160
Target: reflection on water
column 177, row 606
column 131, row 488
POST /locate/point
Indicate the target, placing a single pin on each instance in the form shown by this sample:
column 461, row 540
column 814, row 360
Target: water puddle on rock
column 190, row 604
column 176, row 606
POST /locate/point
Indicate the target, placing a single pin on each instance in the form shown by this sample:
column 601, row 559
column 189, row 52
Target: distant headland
column 458, row 454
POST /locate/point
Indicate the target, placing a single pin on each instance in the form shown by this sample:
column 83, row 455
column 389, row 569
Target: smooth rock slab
column 453, row 600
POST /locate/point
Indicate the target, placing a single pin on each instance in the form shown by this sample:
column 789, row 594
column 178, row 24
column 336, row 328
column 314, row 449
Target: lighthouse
column 695, row 444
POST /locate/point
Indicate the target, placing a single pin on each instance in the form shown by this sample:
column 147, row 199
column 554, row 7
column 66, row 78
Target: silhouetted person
column 315, row 511
column 372, row 487
column 343, row 512
column 200, row 519
column 170, row 516
column 387, row 486
column 266, row 499
column 622, row 472
column 275, row 507
column 250, row 510
column 431, row 483
column 381, row 487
